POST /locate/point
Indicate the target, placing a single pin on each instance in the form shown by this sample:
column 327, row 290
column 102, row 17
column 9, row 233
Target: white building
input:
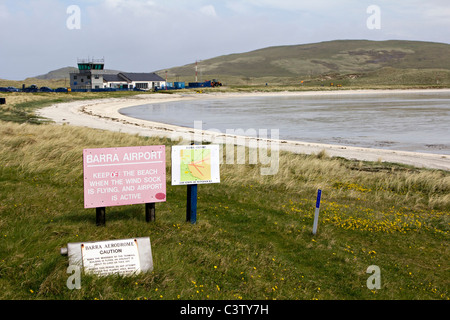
column 114, row 81
column 129, row 80
column 91, row 75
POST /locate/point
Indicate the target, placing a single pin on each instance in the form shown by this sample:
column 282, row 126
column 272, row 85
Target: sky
column 38, row 36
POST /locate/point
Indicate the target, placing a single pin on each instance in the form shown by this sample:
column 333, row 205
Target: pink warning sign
column 123, row 176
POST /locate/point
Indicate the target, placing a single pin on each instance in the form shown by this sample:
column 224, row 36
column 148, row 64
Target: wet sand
column 104, row 114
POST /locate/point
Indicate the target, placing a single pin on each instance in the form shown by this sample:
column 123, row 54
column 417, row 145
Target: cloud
column 290, row 5
column 148, row 35
column 4, row 14
column 238, row 7
column 208, row 10
column 441, row 14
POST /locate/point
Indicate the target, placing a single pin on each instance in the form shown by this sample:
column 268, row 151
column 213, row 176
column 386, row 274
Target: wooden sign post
column 150, row 212
column 100, row 216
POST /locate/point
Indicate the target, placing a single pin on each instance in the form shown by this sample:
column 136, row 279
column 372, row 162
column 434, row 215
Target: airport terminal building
column 91, row 76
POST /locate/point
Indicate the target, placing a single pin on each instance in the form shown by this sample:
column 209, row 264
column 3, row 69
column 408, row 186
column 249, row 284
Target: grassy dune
column 20, row 106
column 253, row 237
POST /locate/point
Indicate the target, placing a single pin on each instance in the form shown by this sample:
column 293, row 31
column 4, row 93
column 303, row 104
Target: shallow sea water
column 413, row 121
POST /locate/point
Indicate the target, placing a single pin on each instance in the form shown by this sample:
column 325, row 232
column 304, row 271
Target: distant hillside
column 53, row 79
column 318, row 60
column 63, row 73
column 357, row 63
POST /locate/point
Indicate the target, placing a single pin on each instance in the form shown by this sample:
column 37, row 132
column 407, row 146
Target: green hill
column 351, row 63
column 53, row 79
column 57, row 74
column 63, row 73
column 350, row 59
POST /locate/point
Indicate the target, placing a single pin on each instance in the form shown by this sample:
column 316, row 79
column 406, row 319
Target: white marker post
column 316, row 213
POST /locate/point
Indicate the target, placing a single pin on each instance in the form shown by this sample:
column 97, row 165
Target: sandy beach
column 104, row 114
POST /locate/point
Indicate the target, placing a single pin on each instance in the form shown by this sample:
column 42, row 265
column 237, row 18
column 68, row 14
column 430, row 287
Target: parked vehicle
column 216, row 83
column 61, row 90
column 8, row 89
column 32, row 88
column 46, row 89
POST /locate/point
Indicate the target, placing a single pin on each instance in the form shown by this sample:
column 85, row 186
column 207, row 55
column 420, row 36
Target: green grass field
column 253, row 236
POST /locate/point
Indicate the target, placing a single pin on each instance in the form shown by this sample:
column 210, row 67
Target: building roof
column 130, row 76
column 113, row 78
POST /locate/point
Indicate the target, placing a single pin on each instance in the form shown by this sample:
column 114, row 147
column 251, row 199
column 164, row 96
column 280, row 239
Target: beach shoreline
column 105, row 114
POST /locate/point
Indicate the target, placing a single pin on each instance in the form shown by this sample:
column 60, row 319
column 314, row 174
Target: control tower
column 89, row 76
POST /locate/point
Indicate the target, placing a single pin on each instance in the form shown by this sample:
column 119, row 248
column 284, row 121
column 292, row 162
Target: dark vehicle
column 46, row 89
column 32, row 88
column 9, row 89
column 61, row 90
column 216, row 83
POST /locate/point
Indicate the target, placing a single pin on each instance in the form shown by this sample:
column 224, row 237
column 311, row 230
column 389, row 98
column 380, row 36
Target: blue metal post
column 191, row 208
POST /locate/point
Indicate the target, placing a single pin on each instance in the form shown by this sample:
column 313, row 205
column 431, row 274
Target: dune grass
column 253, row 236
column 20, row 107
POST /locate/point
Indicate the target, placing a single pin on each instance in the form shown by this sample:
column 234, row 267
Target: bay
column 410, row 121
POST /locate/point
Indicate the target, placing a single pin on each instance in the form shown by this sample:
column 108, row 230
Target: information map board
column 123, row 176
column 195, row 164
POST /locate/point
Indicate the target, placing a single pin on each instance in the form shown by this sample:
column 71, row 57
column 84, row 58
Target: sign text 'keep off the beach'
column 123, row 176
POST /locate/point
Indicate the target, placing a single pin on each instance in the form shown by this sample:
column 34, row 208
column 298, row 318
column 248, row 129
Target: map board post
column 124, row 176
column 191, row 207
column 193, row 165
